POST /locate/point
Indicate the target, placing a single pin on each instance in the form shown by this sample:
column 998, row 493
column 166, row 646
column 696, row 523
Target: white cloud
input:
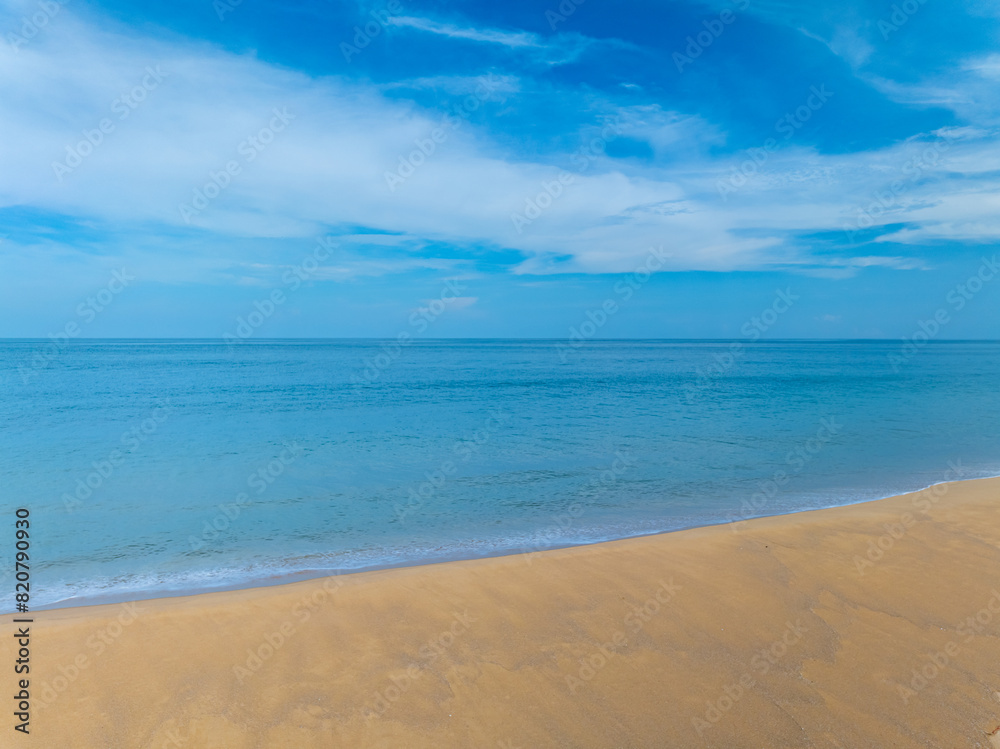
column 556, row 50
column 846, row 42
column 327, row 168
column 987, row 67
column 491, row 36
column 458, row 85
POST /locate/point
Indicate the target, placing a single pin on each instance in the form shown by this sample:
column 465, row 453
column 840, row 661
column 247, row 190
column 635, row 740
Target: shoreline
column 874, row 624
column 290, row 578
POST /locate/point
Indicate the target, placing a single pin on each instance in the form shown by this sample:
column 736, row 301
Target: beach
column 870, row 625
column 500, row 375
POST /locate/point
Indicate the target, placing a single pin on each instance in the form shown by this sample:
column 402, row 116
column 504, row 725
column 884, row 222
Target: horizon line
column 221, row 341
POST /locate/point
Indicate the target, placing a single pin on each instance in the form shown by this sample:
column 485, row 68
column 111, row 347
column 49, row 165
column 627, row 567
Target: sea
column 151, row 468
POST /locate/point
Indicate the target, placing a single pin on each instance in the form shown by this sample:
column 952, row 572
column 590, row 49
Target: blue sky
column 535, row 155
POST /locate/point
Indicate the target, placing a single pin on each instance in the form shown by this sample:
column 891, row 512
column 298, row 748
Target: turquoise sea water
column 152, row 467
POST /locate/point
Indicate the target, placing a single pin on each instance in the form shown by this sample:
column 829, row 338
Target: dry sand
column 771, row 634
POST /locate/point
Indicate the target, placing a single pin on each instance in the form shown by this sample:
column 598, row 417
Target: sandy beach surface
column 873, row 625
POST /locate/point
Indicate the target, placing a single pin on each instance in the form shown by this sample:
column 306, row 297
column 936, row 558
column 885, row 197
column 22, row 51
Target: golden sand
column 873, row 625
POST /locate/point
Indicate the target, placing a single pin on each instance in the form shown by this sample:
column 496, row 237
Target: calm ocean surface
column 163, row 466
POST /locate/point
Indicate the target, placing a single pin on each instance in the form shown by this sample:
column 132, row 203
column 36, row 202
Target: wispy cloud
column 500, row 85
column 326, row 171
column 558, row 49
column 489, row 36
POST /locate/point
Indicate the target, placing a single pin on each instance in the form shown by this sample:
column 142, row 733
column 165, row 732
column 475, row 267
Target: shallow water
column 158, row 466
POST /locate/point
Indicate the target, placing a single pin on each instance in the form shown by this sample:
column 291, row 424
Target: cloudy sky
column 357, row 157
